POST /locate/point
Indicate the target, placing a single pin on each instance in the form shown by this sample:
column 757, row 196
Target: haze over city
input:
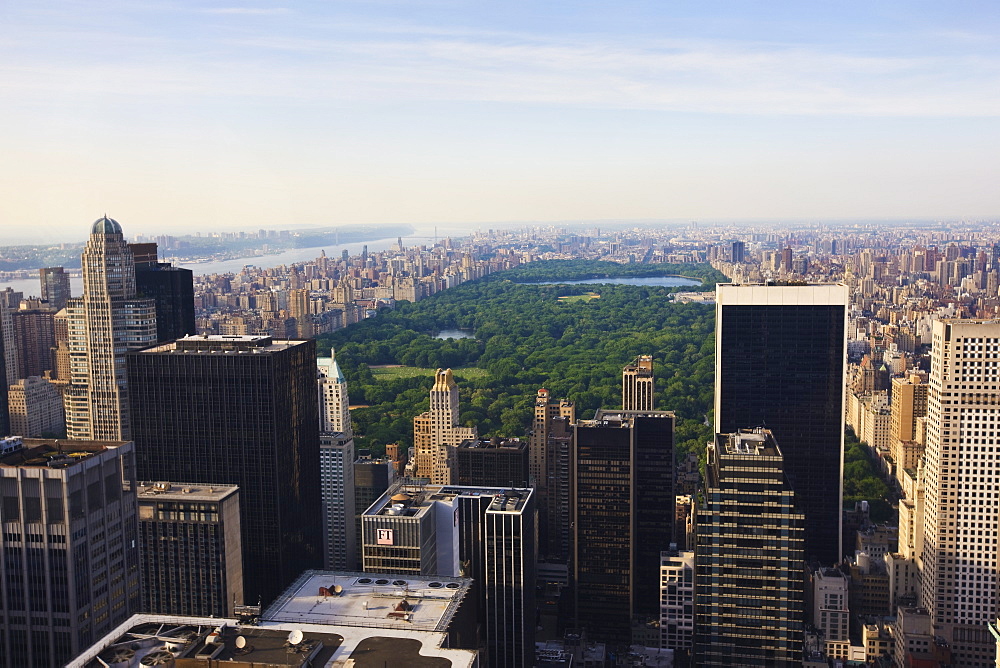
column 181, row 116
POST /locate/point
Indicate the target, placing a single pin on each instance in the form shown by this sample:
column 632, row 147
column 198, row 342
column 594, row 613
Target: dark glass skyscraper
column 172, row 288
column 239, row 410
column 780, row 355
column 623, row 517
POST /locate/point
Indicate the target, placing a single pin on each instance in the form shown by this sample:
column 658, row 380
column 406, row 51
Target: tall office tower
column 496, row 534
column 336, row 472
column 961, row 563
column 68, row 552
column 12, row 363
column 749, row 559
column 493, row 462
column 105, row 323
column 60, row 348
column 487, row 532
column 786, row 260
column 555, row 518
column 55, row 287
column 372, row 476
column 780, row 362
column 170, row 287
column 436, row 433
column 334, row 405
column 623, row 489
column 191, row 555
column 909, row 402
column 239, row 410
column 298, row 308
column 36, row 408
column 739, row 249
column 677, row 603
column 35, row 336
column 4, row 384
column 547, row 408
column 638, row 384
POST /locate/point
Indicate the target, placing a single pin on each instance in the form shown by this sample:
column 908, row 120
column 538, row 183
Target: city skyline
column 447, row 113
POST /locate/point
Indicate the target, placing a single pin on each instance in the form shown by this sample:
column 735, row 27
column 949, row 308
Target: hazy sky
column 174, row 116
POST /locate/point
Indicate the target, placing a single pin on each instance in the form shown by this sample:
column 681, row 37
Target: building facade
column 336, row 464
column 780, row 356
column 192, row 556
column 106, row 322
column 334, row 404
column 495, row 462
column 239, row 410
column 623, row 514
column 36, row 408
column 960, row 570
column 749, row 558
column 55, row 287
column 69, row 557
column 436, row 433
column 638, row 384
column 171, row 289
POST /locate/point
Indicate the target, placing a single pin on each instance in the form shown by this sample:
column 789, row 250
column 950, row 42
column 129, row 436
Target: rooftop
column 147, row 639
column 410, row 500
column 388, row 601
column 51, row 453
column 220, row 344
column 184, row 491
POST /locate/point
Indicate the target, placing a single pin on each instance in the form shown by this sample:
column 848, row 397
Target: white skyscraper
column 336, row 457
column 334, row 406
column 962, row 488
column 105, row 323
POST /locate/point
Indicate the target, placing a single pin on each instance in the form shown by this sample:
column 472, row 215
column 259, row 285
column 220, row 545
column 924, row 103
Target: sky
column 176, row 116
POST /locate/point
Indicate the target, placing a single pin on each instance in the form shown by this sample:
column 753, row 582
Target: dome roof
column 106, row 225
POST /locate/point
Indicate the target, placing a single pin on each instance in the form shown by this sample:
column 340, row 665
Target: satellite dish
column 295, row 637
column 241, row 642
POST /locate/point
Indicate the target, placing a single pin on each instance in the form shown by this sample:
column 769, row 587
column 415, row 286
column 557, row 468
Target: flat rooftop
column 376, row 600
column 750, row 442
column 221, row 344
column 412, row 500
column 207, row 642
column 183, row 491
column 52, row 453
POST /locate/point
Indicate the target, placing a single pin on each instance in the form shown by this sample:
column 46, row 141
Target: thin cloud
column 263, row 11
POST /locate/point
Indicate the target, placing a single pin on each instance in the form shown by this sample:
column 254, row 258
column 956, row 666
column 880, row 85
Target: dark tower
column 172, row 288
column 780, row 364
column 239, row 410
column 623, row 517
column 55, row 287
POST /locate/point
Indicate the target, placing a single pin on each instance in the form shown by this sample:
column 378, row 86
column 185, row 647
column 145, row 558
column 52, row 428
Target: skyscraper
column 192, row 559
column 105, row 323
column 638, row 384
column 171, row 289
column 239, row 410
column 436, row 433
column 68, row 553
column 336, row 473
column 55, row 287
column 749, row 587
column 486, row 532
column 623, row 516
column 334, row 404
column 780, row 359
column 960, row 572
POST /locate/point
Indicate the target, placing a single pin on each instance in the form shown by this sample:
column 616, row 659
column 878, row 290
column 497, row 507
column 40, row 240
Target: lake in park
column 454, row 334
